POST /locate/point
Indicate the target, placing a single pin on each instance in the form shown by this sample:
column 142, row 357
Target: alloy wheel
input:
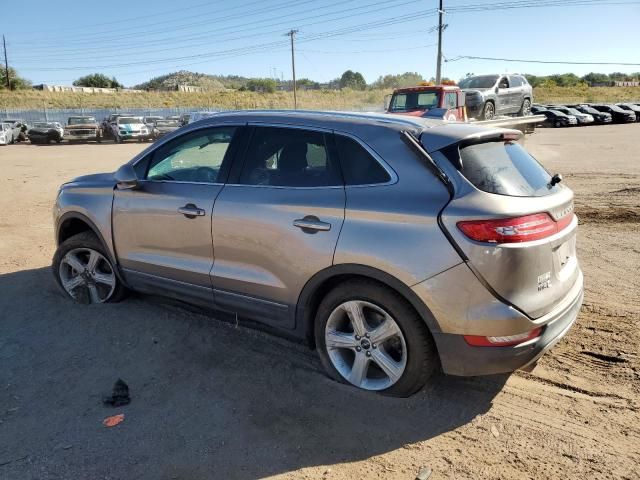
column 365, row 345
column 87, row 276
column 489, row 111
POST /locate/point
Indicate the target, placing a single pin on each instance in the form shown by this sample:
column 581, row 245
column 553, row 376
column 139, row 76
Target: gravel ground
column 212, row 399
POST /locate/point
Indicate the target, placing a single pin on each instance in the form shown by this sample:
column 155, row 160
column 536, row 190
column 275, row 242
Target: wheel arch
column 73, row 223
column 322, row 282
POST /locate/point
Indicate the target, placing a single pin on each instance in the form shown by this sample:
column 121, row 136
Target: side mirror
column 126, row 177
column 497, row 89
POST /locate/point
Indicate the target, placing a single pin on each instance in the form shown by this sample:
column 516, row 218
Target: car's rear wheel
column 370, row 337
column 83, row 270
column 489, row 111
column 525, row 109
column 557, row 124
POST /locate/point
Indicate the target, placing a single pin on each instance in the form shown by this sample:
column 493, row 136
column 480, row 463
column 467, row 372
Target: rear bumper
column 459, row 358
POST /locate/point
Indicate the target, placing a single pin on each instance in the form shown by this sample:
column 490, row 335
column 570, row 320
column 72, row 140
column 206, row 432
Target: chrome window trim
column 167, row 138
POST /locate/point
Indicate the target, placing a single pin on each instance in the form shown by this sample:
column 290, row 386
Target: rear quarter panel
column 394, row 227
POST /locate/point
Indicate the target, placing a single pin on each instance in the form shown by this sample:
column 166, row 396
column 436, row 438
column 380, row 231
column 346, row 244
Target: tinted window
column 504, row 83
column 403, row 102
column 289, row 157
column 505, row 169
column 194, row 157
column 483, row 81
column 358, row 166
column 516, row 81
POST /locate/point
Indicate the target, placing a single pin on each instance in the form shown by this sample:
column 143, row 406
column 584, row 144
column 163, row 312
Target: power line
column 469, row 57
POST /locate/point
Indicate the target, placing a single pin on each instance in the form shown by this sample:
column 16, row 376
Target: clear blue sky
column 55, row 43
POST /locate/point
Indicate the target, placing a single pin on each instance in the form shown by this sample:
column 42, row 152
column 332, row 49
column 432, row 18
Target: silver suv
column 395, row 246
column 490, row 95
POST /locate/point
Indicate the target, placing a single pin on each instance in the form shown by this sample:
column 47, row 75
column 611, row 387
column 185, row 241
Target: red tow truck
column 417, row 101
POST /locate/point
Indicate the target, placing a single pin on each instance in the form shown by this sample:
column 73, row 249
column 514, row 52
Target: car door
column 516, row 92
column 276, row 223
column 162, row 228
column 505, row 102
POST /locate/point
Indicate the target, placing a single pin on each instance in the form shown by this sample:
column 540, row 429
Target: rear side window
column 505, row 168
column 289, row 157
column 358, row 166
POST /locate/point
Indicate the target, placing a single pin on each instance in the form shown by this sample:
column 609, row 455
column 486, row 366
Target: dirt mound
column 608, row 215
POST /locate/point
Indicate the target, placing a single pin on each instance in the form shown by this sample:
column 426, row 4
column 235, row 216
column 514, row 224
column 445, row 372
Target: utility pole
column 6, row 63
column 292, row 34
column 439, row 60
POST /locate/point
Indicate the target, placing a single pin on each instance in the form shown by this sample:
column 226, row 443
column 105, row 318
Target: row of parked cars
column 587, row 113
column 118, row 127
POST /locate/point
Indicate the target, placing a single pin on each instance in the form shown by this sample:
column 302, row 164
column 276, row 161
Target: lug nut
column 368, row 354
column 358, row 349
column 375, row 345
column 366, row 335
column 357, row 337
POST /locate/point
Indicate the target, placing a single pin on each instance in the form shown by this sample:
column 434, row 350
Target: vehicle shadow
column 210, row 399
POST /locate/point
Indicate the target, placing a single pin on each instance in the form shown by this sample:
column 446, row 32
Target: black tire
column 525, row 109
column 488, row 111
column 85, row 240
column 557, row 124
column 422, row 357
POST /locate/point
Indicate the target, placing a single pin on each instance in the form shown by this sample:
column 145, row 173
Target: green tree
column 593, row 77
column 407, row 79
column 15, row 81
column 264, row 85
column 98, row 80
column 353, row 80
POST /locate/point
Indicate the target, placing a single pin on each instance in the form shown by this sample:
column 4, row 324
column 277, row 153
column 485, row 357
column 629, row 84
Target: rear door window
column 505, row 168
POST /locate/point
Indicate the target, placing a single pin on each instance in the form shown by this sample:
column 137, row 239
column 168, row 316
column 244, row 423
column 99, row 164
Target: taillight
column 503, row 341
column 513, row 230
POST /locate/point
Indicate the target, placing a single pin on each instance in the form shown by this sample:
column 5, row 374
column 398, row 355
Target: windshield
column 483, row 81
column 558, row 113
column 151, row 119
column 81, row 120
column 573, row 111
column 404, row 102
column 127, row 120
column 166, row 123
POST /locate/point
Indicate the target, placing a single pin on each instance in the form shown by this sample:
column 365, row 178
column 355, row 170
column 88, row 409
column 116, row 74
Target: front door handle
column 191, row 211
column 312, row 224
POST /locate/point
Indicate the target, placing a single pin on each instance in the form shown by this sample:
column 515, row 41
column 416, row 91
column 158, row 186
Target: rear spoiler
column 524, row 124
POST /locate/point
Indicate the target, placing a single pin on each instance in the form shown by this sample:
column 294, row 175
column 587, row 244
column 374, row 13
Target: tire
column 118, row 139
column 525, row 109
column 411, row 348
column 107, row 287
column 488, row 111
column 557, row 124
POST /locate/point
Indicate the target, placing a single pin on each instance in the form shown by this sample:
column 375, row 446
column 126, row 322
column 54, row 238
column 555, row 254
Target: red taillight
column 503, row 341
column 514, row 230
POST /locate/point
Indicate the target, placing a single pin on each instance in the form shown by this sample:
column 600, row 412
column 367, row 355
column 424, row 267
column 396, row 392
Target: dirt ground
column 215, row 400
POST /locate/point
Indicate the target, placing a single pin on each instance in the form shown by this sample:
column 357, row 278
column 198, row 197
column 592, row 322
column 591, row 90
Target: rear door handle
column 312, row 224
column 191, row 211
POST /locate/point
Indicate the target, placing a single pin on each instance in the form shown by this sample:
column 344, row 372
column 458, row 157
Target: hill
column 184, row 77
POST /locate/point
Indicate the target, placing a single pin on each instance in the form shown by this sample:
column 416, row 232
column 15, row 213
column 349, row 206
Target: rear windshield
column 505, row 168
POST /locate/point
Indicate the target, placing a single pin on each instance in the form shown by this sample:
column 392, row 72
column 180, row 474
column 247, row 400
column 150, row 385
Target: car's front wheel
column 83, row 270
column 525, row 109
column 370, row 337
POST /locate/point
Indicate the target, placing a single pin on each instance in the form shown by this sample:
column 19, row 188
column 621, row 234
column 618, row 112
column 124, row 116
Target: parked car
column 130, row 128
column 582, row 118
column 6, row 133
column 46, row 132
column 109, row 122
column 19, row 128
column 630, row 107
column 184, row 119
column 404, row 246
column 536, row 109
column 556, row 118
column 150, row 121
column 84, row 128
column 163, row 127
column 491, row 95
column 598, row 116
column 617, row 114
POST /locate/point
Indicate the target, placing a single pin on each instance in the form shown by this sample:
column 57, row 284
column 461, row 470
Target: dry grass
column 314, row 100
